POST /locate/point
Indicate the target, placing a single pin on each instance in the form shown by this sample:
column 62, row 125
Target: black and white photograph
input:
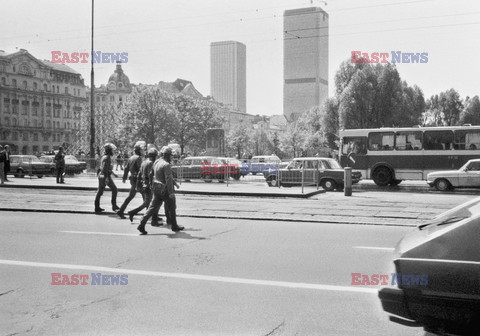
column 239, row 167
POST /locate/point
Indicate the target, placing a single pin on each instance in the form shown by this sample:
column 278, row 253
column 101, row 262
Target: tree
column 293, row 139
column 148, row 114
column 331, row 122
column 238, row 140
column 471, row 112
column 372, row 96
column 443, row 109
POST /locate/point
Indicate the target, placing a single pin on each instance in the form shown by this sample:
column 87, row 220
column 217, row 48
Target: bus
column 390, row 155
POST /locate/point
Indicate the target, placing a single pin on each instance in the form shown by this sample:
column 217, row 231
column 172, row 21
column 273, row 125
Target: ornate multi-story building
column 40, row 103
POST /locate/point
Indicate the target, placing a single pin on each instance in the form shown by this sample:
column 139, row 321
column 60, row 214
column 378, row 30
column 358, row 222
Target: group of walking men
column 152, row 177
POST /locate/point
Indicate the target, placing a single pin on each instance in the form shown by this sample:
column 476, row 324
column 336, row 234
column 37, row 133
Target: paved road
column 376, row 208
column 219, row 277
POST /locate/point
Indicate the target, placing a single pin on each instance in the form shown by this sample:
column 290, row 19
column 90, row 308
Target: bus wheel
column 382, row 176
column 442, row 185
column 395, row 183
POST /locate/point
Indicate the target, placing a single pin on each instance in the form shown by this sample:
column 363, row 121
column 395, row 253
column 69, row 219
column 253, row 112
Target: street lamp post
column 92, row 100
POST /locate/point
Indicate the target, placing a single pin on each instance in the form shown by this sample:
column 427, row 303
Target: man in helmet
column 163, row 191
column 105, row 173
column 144, row 186
column 60, row 164
column 133, row 166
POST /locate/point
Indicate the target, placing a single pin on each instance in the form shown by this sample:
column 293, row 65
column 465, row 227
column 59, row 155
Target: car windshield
column 71, row 158
column 455, row 215
column 333, row 164
column 31, row 158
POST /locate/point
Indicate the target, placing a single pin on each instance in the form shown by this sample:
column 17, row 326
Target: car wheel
column 39, row 176
column 20, row 173
column 52, row 172
column 329, row 185
column 272, row 181
column 442, row 185
column 382, row 176
column 208, row 178
column 236, row 177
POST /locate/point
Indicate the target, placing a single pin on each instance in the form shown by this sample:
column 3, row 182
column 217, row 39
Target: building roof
column 59, row 67
column 118, row 77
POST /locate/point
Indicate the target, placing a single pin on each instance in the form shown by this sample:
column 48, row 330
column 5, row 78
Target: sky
column 170, row 39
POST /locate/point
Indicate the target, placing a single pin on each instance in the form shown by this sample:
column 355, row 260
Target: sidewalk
column 253, row 188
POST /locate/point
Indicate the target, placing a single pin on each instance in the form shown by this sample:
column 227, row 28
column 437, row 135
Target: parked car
column 72, row 165
column 468, row 176
column 262, row 163
column 446, row 251
column 21, row 165
column 325, row 172
column 195, row 167
column 236, row 170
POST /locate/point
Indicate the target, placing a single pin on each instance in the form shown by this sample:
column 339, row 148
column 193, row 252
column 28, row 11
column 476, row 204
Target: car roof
column 312, row 158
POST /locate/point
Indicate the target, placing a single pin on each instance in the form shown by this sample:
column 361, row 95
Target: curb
column 181, row 192
column 268, row 219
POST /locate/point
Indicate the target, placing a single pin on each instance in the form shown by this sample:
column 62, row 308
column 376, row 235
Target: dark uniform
column 163, row 192
column 133, row 166
column 144, row 186
column 105, row 179
column 6, row 166
column 60, row 165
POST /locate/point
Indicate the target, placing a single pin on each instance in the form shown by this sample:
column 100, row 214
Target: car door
column 293, row 173
column 472, row 175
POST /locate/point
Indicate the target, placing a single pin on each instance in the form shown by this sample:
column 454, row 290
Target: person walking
column 60, row 164
column 144, row 186
column 133, row 166
column 163, row 191
column 6, row 165
column 104, row 175
column 2, row 165
column 119, row 162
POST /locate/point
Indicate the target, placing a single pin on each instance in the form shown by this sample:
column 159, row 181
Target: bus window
column 467, row 139
column 438, row 140
column 408, row 141
column 356, row 145
column 380, row 141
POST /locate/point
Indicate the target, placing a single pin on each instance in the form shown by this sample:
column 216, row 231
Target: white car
column 468, row 176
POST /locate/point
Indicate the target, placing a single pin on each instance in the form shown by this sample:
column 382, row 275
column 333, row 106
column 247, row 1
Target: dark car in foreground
column 324, row 172
column 21, row 165
column 447, row 251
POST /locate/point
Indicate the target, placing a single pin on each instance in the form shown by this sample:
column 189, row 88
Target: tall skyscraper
column 228, row 74
column 305, row 64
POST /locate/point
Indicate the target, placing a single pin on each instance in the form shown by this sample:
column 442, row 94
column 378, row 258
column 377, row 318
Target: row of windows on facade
column 24, row 69
column 43, row 111
column 39, row 123
column 55, row 89
column 103, row 99
column 14, row 136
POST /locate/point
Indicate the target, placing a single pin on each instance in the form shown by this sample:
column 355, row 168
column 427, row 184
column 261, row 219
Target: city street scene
column 269, row 167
